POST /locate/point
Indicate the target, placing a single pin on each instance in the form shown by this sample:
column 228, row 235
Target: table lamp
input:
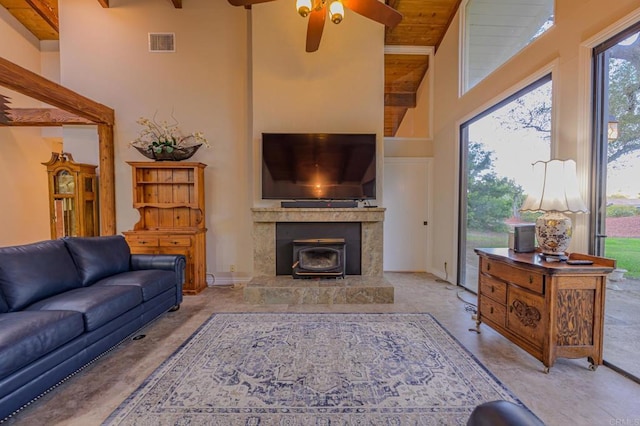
column 556, row 193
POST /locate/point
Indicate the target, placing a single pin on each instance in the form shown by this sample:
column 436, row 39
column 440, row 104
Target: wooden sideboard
column 169, row 195
column 549, row 309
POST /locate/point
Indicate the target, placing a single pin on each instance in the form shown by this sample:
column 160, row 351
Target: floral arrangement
column 158, row 138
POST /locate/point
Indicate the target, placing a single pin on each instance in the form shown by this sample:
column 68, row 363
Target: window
column 495, row 30
column 498, row 148
column 615, row 209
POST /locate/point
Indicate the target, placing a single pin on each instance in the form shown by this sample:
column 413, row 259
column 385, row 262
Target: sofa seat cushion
column 97, row 304
column 152, row 282
column 99, row 257
column 33, row 272
column 27, row 336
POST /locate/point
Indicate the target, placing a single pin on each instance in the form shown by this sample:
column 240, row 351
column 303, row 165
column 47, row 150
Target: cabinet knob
column 488, row 266
column 493, row 289
column 491, row 310
column 530, row 279
column 142, row 242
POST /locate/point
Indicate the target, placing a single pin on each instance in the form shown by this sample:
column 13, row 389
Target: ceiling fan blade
column 246, row 2
column 314, row 29
column 375, row 10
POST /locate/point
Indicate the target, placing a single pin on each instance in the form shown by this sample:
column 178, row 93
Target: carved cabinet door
column 525, row 315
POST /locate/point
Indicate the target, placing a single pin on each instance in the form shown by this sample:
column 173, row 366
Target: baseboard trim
column 229, row 281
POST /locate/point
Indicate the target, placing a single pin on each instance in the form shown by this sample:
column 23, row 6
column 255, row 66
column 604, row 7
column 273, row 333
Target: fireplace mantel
column 264, row 233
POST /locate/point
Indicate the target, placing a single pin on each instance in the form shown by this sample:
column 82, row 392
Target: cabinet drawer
column 175, row 241
column 493, row 311
column 142, row 241
column 527, row 279
column 494, row 289
column 525, row 315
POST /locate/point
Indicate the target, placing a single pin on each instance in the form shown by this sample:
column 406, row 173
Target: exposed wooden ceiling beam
column 407, row 100
column 28, row 83
column 46, row 12
column 105, row 3
column 393, row 117
column 393, row 3
column 43, row 117
column 40, row 17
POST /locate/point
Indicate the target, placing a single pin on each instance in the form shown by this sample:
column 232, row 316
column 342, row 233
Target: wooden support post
column 106, row 181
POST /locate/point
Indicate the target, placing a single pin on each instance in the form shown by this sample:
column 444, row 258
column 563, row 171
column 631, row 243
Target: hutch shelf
column 169, row 195
column 549, row 309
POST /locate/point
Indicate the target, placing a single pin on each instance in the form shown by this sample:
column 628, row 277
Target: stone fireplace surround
column 266, row 287
column 264, row 234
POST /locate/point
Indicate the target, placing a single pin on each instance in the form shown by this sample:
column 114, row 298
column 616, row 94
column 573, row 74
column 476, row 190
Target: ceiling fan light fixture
column 304, row 7
column 336, row 11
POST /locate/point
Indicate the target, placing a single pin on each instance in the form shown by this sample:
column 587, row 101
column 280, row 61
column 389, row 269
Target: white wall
column 339, row 88
column 560, row 48
column 24, row 214
column 104, row 56
column 225, row 82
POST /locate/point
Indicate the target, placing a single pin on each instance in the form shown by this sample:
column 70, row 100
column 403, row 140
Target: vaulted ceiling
column 423, row 25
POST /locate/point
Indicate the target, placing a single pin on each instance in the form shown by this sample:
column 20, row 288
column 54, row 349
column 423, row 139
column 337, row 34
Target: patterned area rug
column 314, row 369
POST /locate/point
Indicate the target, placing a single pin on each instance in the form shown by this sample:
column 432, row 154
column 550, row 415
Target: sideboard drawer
column 521, row 277
column 142, row 241
column 496, row 290
column 493, row 311
column 175, row 241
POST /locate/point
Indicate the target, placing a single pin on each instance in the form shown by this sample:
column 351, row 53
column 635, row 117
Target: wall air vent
column 162, row 42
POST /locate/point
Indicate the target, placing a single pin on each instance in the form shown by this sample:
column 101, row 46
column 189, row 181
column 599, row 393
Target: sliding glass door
column 498, row 148
column 616, row 196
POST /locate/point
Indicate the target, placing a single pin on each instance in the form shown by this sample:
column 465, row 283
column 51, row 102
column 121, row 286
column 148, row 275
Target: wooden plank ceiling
column 424, row 24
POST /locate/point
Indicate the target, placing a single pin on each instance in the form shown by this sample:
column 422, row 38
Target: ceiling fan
column 317, row 12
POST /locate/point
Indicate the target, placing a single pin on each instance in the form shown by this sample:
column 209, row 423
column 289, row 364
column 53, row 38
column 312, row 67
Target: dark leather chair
column 502, row 413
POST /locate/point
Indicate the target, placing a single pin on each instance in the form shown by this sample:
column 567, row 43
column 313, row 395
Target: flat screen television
column 318, row 166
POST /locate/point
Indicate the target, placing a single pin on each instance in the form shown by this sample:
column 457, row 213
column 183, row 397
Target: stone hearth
column 286, row 290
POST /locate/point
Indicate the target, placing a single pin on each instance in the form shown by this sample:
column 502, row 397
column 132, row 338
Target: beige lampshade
column 556, row 188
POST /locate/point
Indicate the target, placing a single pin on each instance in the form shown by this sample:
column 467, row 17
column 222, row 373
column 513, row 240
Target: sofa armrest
column 502, row 413
column 167, row 262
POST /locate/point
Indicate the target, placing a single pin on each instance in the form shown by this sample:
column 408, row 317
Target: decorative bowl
column 178, row 153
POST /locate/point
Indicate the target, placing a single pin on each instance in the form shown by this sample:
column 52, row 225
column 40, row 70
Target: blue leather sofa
column 63, row 303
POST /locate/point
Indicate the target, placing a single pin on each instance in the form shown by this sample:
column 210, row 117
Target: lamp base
column 553, row 231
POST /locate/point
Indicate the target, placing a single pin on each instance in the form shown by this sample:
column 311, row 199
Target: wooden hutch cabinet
column 549, row 309
column 73, row 200
column 169, row 195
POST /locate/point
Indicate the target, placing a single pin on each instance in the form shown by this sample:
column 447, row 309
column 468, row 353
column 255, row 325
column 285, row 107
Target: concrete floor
column 622, row 325
column 570, row 394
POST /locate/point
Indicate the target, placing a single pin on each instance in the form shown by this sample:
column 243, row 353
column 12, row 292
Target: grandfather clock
column 72, row 197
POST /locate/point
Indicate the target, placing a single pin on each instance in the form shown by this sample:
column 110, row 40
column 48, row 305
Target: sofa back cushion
column 99, row 257
column 3, row 304
column 33, row 272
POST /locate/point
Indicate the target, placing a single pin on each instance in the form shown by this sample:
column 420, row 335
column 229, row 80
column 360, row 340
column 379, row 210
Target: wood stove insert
column 319, row 258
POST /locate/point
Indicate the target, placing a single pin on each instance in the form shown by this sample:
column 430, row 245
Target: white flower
column 165, row 136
